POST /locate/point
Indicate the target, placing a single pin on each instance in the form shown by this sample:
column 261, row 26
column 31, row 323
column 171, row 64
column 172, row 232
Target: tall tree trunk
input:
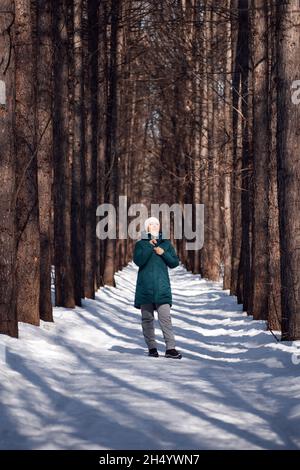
column 261, row 143
column 204, row 254
column 214, row 183
column 78, row 156
column 243, row 281
column 237, row 128
column 45, row 149
column 8, row 317
column 90, row 150
column 228, row 153
column 288, row 165
column 27, row 214
column 102, row 124
column 274, row 301
column 111, row 144
column 64, row 283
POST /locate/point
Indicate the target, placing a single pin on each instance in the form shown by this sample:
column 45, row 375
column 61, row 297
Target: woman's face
column 153, row 228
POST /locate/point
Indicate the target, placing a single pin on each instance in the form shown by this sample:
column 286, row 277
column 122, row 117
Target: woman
column 154, row 254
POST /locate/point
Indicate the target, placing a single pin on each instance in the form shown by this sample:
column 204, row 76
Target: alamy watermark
column 296, row 93
column 185, row 216
column 2, row 353
column 296, row 355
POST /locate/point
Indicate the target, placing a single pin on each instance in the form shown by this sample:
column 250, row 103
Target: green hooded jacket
column 153, row 282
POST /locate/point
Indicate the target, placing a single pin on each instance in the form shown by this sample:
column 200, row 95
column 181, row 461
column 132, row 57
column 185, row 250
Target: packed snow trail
column 85, row 382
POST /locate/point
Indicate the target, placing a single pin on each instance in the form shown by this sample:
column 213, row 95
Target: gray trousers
column 165, row 321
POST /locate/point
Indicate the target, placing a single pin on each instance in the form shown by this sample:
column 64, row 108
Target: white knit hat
column 149, row 221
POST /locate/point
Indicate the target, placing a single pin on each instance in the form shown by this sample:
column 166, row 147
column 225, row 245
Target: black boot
column 173, row 353
column 153, row 352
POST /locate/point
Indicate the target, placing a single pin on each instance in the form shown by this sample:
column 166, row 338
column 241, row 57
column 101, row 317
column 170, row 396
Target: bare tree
column 261, row 143
column 27, row 214
column 8, row 317
column 62, row 154
column 44, row 130
column 288, row 164
column 111, row 156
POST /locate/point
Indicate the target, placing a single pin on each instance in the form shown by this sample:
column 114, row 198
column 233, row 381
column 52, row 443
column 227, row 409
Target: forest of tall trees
column 180, row 101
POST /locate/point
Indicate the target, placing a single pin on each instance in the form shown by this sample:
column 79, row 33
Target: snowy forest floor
column 85, row 382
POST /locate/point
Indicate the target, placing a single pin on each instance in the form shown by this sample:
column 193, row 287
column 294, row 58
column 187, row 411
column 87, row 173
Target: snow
column 85, row 381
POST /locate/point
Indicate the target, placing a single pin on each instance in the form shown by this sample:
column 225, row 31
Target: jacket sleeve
column 170, row 257
column 142, row 253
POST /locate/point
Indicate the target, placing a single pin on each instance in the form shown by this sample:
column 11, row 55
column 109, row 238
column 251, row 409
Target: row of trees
column 223, row 94
column 187, row 101
column 261, row 179
column 53, row 88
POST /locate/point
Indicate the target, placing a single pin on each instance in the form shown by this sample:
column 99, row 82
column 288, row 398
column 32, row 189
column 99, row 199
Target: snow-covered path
column 85, row 382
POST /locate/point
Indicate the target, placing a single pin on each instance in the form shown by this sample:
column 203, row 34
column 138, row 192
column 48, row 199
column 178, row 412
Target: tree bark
column 288, row 165
column 261, row 143
column 228, row 152
column 44, row 116
column 8, row 313
column 78, row 156
column 274, row 301
column 27, row 214
column 90, row 149
column 111, row 144
column 244, row 265
column 64, row 282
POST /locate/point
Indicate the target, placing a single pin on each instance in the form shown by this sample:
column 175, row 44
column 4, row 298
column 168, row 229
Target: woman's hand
column 158, row 250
